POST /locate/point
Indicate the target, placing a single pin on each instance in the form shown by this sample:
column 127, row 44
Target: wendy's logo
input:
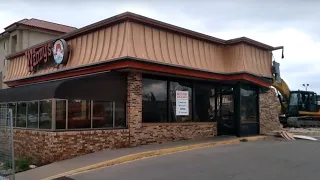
column 60, row 51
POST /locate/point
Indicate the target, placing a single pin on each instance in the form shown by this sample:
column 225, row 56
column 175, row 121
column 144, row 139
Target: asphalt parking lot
column 260, row 160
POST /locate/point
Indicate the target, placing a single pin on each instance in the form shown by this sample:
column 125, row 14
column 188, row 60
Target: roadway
column 264, row 160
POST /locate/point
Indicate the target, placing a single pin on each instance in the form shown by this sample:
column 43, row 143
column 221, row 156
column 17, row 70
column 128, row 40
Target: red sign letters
column 38, row 55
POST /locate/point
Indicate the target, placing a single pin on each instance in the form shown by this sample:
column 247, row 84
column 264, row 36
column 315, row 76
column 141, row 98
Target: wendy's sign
column 47, row 53
column 38, row 55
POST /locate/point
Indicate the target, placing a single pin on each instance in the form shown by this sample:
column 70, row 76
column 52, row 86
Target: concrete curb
column 137, row 156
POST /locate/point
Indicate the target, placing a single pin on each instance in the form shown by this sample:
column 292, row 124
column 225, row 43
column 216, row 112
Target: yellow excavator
column 299, row 108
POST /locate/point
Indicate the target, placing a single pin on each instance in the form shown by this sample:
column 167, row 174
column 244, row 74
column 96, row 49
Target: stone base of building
column 165, row 132
column 47, row 147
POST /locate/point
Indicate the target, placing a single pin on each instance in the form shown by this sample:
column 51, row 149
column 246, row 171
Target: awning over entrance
column 109, row 86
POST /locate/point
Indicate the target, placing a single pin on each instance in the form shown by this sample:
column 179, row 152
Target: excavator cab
column 302, row 101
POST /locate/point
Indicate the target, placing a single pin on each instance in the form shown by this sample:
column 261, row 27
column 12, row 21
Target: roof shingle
column 45, row 25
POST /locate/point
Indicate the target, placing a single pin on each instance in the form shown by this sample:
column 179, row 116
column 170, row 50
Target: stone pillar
column 134, row 107
column 269, row 112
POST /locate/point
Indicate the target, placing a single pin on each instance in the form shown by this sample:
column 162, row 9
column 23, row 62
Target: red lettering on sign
column 38, row 55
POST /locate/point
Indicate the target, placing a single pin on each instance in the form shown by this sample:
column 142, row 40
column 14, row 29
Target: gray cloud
column 214, row 15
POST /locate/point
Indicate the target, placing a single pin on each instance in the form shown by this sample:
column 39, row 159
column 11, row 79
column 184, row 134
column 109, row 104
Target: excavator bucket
column 276, row 71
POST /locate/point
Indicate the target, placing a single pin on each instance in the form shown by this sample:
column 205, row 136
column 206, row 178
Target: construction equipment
column 299, row 108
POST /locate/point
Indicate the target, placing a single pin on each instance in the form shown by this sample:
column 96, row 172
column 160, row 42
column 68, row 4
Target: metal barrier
column 7, row 167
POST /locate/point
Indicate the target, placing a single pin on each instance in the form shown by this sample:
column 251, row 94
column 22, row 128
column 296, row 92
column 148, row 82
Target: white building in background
column 23, row 34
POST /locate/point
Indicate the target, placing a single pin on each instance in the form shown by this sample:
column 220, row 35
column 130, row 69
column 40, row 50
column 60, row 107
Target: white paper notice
column 182, row 103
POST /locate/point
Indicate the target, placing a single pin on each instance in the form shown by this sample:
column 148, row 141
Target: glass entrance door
column 226, row 122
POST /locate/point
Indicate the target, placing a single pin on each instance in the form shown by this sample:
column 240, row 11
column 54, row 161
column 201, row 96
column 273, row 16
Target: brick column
column 134, row 107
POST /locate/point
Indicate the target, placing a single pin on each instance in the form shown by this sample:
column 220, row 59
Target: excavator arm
column 284, row 90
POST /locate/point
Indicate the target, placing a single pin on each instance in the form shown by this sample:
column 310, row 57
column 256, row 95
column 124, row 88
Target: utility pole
column 306, row 86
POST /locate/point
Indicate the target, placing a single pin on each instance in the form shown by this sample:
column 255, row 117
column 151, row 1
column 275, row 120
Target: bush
column 22, row 164
column 7, row 164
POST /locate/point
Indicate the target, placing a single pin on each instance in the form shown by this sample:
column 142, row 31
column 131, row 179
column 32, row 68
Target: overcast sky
column 293, row 24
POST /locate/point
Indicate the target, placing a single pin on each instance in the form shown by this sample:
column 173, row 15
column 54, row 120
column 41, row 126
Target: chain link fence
column 7, row 170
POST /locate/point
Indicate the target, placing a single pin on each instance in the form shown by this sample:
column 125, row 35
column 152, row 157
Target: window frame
column 193, row 83
column 91, row 119
column 53, row 114
column 16, row 111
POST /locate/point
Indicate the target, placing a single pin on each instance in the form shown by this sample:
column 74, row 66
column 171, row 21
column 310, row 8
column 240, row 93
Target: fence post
column 12, row 143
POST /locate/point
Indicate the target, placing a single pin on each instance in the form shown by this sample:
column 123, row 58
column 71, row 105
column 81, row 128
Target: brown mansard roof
column 145, row 20
column 37, row 23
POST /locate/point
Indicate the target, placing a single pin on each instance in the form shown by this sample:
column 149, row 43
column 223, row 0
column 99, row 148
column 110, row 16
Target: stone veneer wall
column 47, row 147
column 161, row 133
column 269, row 115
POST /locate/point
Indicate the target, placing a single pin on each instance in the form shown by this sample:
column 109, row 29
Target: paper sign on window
column 182, row 103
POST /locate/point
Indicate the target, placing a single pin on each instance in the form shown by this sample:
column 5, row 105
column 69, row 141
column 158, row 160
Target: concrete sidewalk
column 105, row 155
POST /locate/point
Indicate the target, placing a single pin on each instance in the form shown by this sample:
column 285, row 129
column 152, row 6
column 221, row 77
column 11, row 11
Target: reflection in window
column 180, row 86
column 61, row 114
column 102, row 115
column 154, row 100
column 120, row 114
column 79, row 114
column 21, row 114
column 32, row 116
column 248, row 105
column 45, row 114
column 294, row 99
column 13, row 107
column 204, row 103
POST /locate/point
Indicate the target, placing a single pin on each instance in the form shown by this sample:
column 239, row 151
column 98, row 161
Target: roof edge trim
column 135, row 17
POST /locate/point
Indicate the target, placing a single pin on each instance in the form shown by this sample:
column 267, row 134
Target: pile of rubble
column 305, row 131
column 290, row 136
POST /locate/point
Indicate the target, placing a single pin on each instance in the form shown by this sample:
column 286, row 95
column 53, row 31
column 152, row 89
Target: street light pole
column 306, row 86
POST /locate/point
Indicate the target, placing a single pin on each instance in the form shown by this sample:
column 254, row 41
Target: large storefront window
column 108, row 114
column 154, row 100
column 45, row 114
column 248, row 111
column 61, row 114
column 248, row 105
column 205, row 103
column 79, row 114
column 120, row 115
column 171, row 100
column 69, row 114
column 32, row 116
column 181, row 106
column 102, row 115
column 21, row 114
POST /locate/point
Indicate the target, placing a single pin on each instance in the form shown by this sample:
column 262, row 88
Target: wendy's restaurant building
column 130, row 80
